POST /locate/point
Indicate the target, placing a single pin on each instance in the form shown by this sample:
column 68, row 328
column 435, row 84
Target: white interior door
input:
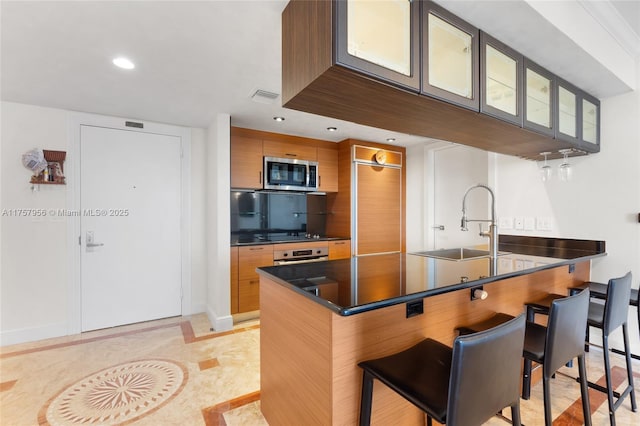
column 455, row 170
column 130, row 201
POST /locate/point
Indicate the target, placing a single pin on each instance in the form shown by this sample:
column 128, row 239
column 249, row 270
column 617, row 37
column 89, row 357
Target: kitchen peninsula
column 319, row 320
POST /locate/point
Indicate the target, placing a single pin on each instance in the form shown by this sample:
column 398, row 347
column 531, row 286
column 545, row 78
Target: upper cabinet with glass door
column 500, row 80
column 450, row 57
column 566, row 114
column 539, row 99
column 590, row 118
column 381, row 39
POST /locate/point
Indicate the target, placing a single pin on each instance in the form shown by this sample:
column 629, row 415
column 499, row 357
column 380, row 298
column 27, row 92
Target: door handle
column 439, row 227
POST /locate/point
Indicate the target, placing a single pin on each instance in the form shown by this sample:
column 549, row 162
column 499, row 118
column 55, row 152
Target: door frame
column 76, row 120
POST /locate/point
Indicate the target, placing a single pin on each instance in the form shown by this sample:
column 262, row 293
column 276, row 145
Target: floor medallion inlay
column 117, row 395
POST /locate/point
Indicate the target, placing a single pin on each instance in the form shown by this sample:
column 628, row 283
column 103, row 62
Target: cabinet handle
column 260, row 177
column 256, row 248
column 290, row 155
column 339, row 243
column 254, row 282
column 320, row 181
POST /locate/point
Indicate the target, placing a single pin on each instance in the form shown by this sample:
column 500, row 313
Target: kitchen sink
column 457, row 254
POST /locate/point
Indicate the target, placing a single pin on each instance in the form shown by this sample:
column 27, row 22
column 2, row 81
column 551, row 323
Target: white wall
column 218, row 179
column 34, row 293
column 35, row 282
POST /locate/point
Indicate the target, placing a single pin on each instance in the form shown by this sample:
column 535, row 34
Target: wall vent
column 134, row 124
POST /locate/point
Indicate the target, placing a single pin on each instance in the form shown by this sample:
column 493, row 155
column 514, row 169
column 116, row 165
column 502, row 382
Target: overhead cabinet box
column 415, row 68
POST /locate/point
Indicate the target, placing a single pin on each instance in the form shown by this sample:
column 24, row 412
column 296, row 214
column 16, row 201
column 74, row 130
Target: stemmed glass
column 564, row 170
column 545, row 170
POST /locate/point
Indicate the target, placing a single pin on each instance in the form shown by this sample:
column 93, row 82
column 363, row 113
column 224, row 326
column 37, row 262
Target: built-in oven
column 287, row 174
column 303, row 255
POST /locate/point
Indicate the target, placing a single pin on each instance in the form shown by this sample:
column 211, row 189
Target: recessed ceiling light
column 332, row 129
column 278, row 118
column 124, row 63
column 391, row 139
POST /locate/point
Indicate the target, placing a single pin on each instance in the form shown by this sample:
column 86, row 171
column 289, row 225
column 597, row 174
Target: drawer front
column 250, row 258
column 339, row 249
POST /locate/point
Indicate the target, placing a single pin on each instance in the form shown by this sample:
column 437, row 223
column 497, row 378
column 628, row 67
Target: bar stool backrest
column 566, row 330
column 617, row 302
column 485, row 373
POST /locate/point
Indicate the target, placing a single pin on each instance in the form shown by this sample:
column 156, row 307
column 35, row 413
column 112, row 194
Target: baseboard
column 31, row 334
column 220, row 323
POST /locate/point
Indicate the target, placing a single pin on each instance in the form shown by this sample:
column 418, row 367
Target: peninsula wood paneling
column 321, row 358
column 295, row 358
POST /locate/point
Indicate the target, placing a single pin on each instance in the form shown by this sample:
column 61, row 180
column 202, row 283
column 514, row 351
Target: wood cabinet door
column 249, row 295
column 246, row 162
column 250, row 258
column 378, row 209
column 327, row 170
column 381, row 39
column 339, row 249
column 289, row 150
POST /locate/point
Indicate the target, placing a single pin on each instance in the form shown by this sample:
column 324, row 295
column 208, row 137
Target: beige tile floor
column 212, row 379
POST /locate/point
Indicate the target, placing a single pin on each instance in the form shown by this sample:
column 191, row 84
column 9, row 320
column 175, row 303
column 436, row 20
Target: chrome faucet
column 492, row 232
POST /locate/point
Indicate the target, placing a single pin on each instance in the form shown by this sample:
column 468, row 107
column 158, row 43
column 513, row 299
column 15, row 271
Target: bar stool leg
column 627, row 351
column 365, row 401
column 546, row 388
column 526, row 379
column 515, row 415
column 607, row 375
column 584, row 390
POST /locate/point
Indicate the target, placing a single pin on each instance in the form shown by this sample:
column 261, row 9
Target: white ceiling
column 197, row 59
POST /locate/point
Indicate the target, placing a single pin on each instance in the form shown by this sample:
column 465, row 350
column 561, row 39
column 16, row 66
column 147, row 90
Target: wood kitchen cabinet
column 500, row 80
column 450, row 68
column 316, row 78
column 340, row 249
column 278, row 149
column 246, row 162
column 380, row 39
column 371, row 211
column 327, row 170
column 250, row 258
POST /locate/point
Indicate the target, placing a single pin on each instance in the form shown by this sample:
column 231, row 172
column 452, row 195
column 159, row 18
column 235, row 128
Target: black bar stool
column 599, row 291
column 556, row 344
column 608, row 318
column 466, row 385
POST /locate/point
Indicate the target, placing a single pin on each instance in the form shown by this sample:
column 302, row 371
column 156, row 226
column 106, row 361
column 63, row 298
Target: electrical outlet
column 505, row 223
column 519, row 223
column 529, row 224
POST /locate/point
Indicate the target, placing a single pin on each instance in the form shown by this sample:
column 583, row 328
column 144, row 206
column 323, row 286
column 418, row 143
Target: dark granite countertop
column 360, row 284
column 259, row 240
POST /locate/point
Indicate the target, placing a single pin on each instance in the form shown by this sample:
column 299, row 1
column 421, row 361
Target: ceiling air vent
column 134, row 124
column 264, row 97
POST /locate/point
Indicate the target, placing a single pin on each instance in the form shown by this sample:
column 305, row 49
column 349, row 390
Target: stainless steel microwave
column 290, row 174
